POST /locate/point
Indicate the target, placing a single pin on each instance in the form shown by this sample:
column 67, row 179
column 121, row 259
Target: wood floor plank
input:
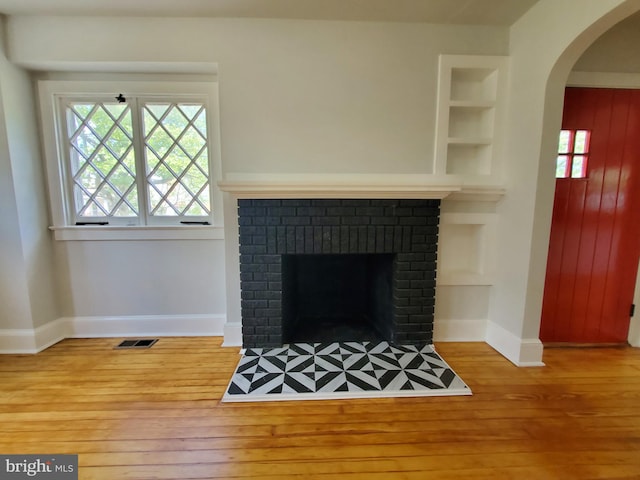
column 156, row 413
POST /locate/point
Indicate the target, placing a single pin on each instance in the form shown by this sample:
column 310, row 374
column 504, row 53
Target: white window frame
column 55, row 151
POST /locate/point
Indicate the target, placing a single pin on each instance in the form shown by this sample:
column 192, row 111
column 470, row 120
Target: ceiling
column 465, row 12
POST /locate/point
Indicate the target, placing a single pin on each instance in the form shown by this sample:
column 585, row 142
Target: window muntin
column 573, row 154
column 145, row 161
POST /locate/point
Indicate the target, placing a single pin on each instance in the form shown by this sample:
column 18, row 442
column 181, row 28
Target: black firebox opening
column 341, row 297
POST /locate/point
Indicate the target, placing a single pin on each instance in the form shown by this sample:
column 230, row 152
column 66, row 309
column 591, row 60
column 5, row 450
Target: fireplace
column 337, row 297
column 321, row 270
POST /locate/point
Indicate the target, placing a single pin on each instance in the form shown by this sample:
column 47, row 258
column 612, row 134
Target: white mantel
column 396, row 186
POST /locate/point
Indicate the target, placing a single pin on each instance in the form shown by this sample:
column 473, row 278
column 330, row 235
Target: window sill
column 182, row 232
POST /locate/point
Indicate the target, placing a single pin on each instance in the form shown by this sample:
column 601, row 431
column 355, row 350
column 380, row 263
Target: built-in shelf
column 472, row 103
column 469, row 117
column 469, row 140
column 464, row 156
column 472, row 78
column 466, row 254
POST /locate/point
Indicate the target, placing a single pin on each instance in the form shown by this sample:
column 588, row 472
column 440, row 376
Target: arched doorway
column 543, row 50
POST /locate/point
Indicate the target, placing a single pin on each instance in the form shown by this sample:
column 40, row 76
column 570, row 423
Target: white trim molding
column 51, row 94
column 17, row 341
column 148, row 325
column 603, row 80
column 522, row 352
column 186, row 232
column 26, row 340
column 232, row 335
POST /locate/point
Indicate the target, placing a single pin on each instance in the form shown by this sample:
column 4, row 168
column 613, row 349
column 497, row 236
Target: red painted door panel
column 595, row 231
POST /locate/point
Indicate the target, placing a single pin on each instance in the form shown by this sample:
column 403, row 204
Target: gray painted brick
column 325, row 220
column 403, row 227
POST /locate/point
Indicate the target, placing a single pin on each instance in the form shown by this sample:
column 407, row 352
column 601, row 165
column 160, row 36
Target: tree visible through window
column 102, row 161
column 176, row 159
column 573, row 154
column 138, row 161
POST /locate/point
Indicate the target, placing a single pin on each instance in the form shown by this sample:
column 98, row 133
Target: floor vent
column 137, row 343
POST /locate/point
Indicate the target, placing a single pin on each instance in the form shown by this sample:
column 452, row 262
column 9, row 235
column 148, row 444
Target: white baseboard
column 29, row 341
column 232, row 335
column 451, row 330
column 18, row 341
column 51, row 333
column 36, row 340
column 634, row 332
column 147, row 326
column 522, row 352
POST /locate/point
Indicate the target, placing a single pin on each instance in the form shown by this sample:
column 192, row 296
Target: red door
column 595, row 232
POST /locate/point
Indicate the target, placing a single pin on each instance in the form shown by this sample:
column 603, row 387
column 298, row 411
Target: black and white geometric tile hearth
column 342, row 370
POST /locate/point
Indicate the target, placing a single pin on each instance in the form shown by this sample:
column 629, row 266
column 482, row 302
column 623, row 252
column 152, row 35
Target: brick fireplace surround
column 271, row 229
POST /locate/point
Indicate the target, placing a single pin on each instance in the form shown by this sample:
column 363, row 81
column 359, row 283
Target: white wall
column 295, row 97
column 615, row 50
column 26, row 260
column 128, row 278
column 332, row 97
column 14, row 294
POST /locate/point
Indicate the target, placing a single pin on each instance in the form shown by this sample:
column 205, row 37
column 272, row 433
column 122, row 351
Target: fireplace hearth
column 323, row 270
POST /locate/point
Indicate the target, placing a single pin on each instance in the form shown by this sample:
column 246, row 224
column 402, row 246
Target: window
column 573, row 154
column 141, row 158
column 137, row 160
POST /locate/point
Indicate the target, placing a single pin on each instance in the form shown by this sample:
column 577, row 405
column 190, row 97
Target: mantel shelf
column 337, row 187
column 398, row 186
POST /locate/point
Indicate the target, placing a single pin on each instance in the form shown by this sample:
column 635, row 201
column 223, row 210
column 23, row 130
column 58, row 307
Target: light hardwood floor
column 157, row 414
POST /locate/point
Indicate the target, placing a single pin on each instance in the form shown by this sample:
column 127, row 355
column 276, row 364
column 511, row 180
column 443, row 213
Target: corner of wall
column 26, row 340
column 232, row 335
column 522, row 352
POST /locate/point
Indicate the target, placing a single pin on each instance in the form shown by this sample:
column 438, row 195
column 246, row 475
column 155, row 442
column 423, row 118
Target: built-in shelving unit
column 466, row 248
column 469, row 118
column 468, row 147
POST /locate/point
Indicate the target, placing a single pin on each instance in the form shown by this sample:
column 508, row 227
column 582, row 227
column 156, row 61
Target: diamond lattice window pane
column 195, row 179
column 91, row 208
column 159, row 141
column 101, row 153
column 100, row 122
column 176, row 159
column 85, row 144
column 104, row 162
column 192, row 141
column 175, row 122
column 199, row 206
column 203, row 161
column 152, row 162
column 124, row 210
column 88, row 179
column 201, row 122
